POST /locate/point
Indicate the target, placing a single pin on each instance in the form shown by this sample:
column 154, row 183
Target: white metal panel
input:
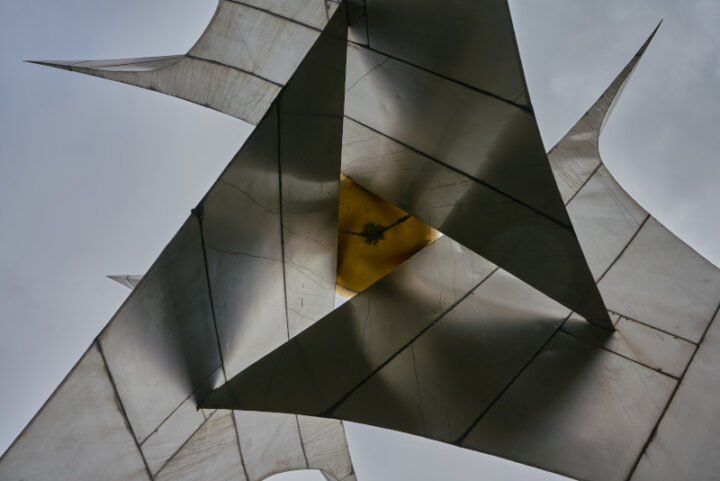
column 210, row 454
column 254, row 41
column 80, row 434
column 605, row 218
column 270, row 443
column 659, row 280
column 687, row 441
column 171, row 435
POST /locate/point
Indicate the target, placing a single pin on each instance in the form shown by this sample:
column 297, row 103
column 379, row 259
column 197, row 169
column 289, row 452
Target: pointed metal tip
column 657, row 27
column 128, row 281
column 650, row 37
column 52, row 63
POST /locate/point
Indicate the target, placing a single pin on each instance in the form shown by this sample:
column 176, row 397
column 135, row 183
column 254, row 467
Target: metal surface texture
column 577, row 155
column 310, row 141
column 219, row 87
column 490, row 140
column 479, row 34
column 505, row 231
column 597, row 394
column 241, row 224
column 687, row 440
column 80, row 421
column 165, row 346
column 576, row 410
column 127, row 280
column 440, row 384
column 659, row 280
column 160, row 346
column 238, row 66
column 605, row 219
column 366, row 332
column 480, row 339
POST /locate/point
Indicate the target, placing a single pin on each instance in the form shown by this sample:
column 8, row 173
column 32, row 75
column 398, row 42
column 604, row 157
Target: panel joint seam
column 653, row 433
column 492, row 403
column 466, row 175
column 122, row 407
column 328, row 412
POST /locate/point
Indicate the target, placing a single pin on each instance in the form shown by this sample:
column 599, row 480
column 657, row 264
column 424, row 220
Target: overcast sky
column 96, row 176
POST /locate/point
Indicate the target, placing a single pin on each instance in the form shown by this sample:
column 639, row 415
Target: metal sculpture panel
column 480, row 339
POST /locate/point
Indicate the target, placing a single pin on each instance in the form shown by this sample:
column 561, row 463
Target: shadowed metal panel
column 506, row 232
column 486, row 138
column 357, row 31
column 354, row 340
column 161, row 344
column 576, row 410
column 687, row 441
column 79, row 434
column 310, row 135
column 440, row 384
column 241, row 228
column 661, row 281
column 469, row 40
column 648, row 346
column 285, row 177
column 211, row 453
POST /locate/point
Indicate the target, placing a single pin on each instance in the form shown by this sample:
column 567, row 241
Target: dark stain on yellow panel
column 374, row 238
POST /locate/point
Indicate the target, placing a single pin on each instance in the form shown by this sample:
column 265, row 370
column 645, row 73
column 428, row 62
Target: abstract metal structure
column 479, row 339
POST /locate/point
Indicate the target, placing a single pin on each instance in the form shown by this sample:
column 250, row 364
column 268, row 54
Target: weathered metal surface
column 210, row 453
column 474, row 43
column 438, row 122
column 161, row 346
column 79, row 434
column 441, row 383
column 650, row 347
column 605, row 218
column 209, row 292
column 687, row 440
column 366, row 332
column 576, row 410
column 505, row 231
column 659, row 280
column 310, row 141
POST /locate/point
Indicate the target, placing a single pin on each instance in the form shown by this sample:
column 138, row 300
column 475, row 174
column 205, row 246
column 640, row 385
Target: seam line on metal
column 653, row 433
column 275, row 14
column 328, row 412
column 233, row 67
column 122, row 406
column 467, row 432
column 627, row 245
column 589, row 343
column 237, row 437
column 282, row 223
column 525, row 109
column 209, row 292
column 464, row 174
